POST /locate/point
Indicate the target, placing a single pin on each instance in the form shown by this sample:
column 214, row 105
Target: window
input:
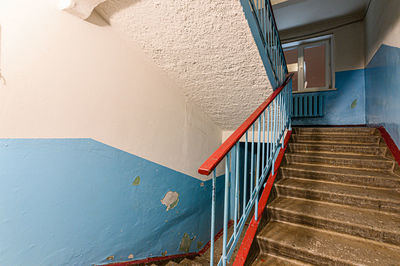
column 311, row 62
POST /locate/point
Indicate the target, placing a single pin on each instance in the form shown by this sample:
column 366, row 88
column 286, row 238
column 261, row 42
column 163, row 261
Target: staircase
column 338, row 201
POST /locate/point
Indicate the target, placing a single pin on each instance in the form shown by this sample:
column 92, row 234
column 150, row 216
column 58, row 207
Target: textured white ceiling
column 205, row 45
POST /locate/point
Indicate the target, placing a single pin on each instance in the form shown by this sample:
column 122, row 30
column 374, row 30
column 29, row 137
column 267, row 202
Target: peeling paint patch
column 164, row 253
column 199, row 244
column 136, row 182
column 186, row 242
column 354, row 104
column 130, row 256
column 202, row 184
column 110, row 258
column 170, row 200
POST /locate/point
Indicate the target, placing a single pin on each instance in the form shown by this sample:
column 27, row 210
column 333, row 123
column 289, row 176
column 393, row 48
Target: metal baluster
column 225, row 234
column 268, row 134
column 273, row 138
column 213, row 217
column 263, row 146
column 252, row 165
column 258, row 168
column 245, row 176
column 236, row 189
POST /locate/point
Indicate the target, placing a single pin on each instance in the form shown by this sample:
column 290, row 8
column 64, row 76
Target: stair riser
column 315, row 148
column 274, row 248
column 336, row 139
column 347, row 179
column 374, row 204
column 338, row 162
column 337, row 226
column 339, row 131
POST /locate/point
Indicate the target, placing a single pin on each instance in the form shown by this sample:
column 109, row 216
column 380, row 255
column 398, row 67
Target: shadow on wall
column 81, row 202
column 382, row 89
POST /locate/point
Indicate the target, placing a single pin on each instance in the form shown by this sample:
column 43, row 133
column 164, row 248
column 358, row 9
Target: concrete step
column 321, row 247
column 374, row 225
column 381, row 199
column 341, row 160
column 336, row 139
column 315, row 148
column 335, row 130
column 273, row 260
column 342, row 175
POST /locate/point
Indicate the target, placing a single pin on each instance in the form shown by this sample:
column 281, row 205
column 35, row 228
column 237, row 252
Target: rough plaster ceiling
column 205, row 45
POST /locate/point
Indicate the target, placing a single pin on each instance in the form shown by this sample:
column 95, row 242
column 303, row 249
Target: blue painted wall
column 344, row 106
column 76, row 202
column 382, row 80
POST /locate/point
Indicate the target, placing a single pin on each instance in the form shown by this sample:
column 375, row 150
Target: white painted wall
column 67, row 78
column 382, row 26
column 348, row 47
column 206, row 46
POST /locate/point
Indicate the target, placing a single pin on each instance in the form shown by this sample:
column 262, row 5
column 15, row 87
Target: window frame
column 300, row 45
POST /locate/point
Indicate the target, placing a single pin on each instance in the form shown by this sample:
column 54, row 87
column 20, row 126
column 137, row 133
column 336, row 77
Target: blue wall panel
column 344, row 106
column 382, row 81
column 78, row 201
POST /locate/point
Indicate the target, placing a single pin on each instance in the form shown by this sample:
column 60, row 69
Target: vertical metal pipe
column 213, row 217
column 236, row 189
column 226, row 202
column 245, row 175
column 258, row 169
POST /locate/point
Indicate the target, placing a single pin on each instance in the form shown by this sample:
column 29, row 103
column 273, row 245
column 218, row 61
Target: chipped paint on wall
column 186, row 242
column 170, row 199
column 130, row 256
column 353, row 104
column 199, row 245
column 136, row 182
column 92, row 194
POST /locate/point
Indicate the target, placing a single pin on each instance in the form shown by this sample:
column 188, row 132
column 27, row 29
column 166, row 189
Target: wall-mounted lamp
column 79, row 8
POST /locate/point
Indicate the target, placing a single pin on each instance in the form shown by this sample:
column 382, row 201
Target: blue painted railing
column 261, row 19
column 262, row 135
column 266, row 128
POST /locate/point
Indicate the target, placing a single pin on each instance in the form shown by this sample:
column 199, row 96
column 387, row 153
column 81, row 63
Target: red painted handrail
column 209, row 165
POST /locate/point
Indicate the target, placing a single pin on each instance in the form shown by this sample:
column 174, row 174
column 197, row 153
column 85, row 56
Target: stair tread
column 326, row 244
column 381, row 194
column 336, row 139
column 328, row 155
column 335, row 129
column 371, row 219
column 314, row 143
column 340, row 170
column 268, row 259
